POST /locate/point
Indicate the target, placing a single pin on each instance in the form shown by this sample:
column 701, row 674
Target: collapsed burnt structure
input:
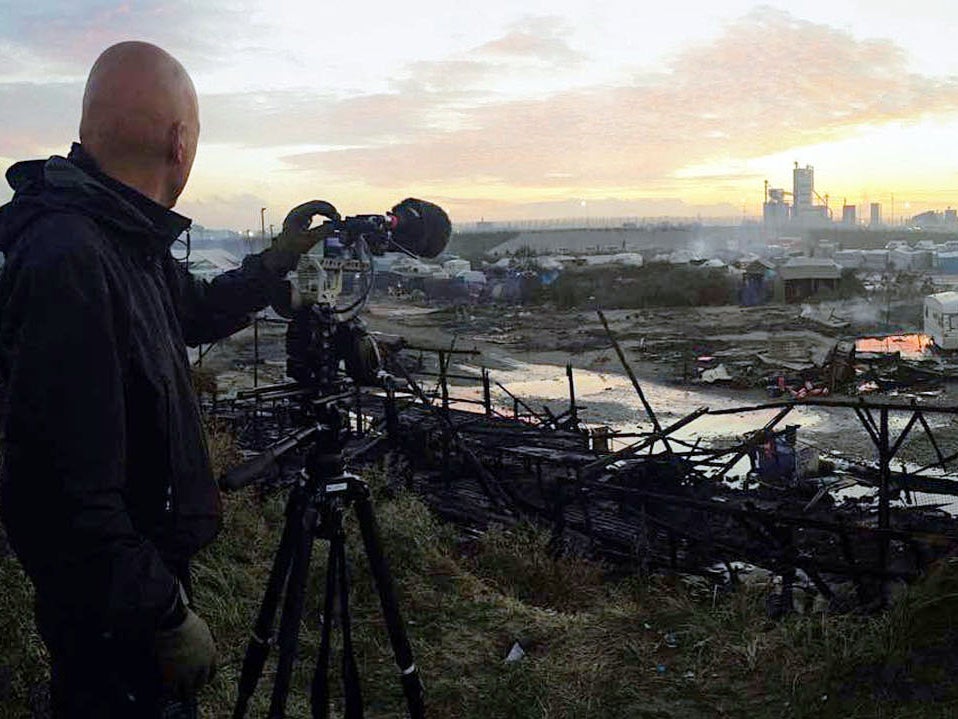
column 661, row 502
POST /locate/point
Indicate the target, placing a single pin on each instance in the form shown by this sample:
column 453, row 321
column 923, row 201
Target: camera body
column 332, row 286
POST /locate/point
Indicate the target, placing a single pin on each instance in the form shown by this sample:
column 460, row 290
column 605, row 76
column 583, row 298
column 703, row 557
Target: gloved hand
column 297, row 238
column 186, row 655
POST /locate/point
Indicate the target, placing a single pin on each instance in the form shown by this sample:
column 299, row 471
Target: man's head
column 141, row 119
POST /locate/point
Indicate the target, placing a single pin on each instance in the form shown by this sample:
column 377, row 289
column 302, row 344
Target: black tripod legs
column 337, row 583
column 289, row 575
column 402, row 651
column 292, row 611
column 259, row 644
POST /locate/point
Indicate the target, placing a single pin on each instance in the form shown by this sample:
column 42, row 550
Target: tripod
column 315, row 509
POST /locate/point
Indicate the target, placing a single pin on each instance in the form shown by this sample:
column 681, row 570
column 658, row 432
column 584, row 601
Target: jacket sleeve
column 210, row 310
column 65, row 440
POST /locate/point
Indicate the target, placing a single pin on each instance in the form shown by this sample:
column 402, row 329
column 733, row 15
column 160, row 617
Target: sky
column 514, row 109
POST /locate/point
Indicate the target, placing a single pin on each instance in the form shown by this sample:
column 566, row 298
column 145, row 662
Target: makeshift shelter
column 757, row 282
column 804, row 277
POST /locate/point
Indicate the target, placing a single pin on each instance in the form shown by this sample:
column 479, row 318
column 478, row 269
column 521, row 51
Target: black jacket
column 106, row 489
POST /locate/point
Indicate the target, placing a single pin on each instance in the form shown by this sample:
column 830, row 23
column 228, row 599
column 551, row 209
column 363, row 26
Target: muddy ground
column 526, row 348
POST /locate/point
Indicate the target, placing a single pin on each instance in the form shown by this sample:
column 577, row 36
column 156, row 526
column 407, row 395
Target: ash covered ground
column 526, row 348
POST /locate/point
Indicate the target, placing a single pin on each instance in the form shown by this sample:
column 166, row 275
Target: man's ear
column 178, row 143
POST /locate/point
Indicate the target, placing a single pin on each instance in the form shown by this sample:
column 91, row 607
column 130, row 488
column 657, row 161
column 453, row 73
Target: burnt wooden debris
column 660, row 503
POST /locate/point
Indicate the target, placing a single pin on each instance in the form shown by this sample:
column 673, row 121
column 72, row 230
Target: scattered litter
column 716, row 374
column 515, row 654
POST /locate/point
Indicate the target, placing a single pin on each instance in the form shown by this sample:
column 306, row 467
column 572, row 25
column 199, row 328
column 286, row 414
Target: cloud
column 537, row 38
column 224, row 210
column 767, row 83
column 38, row 117
column 488, row 121
column 69, row 35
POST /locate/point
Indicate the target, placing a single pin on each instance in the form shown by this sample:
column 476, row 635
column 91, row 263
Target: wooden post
column 256, row 350
column 884, row 469
column 573, row 410
column 443, row 384
column 486, row 394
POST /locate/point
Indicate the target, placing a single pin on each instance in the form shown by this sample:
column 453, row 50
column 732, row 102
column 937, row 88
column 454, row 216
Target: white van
column 941, row 319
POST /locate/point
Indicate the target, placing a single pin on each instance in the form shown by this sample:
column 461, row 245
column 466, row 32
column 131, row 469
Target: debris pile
column 662, row 503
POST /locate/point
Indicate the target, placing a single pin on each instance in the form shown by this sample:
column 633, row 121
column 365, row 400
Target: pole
column 256, row 350
column 486, row 394
column 573, row 410
column 443, row 385
column 262, row 224
column 635, row 382
column 884, row 468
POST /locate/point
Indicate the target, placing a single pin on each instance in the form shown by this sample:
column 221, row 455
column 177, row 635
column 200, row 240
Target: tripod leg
column 258, row 647
column 292, row 612
column 409, row 674
column 320, row 689
column 354, row 698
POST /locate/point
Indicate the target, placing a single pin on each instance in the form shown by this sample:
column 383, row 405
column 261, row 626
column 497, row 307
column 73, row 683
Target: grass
column 595, row 647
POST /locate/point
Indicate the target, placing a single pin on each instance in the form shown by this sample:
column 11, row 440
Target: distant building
column 804, row 277
column 849, row 215
column 951, row 217
column 825, row 248
column 927, row 220
column 775, row 211
column 803, row 189
column 875, row 260
column 875, row 214
column 948, row 263
column 804, row 210
column 851, row 259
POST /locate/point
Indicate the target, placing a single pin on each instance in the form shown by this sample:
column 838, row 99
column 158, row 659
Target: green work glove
column 186, row 655
column 297, row 238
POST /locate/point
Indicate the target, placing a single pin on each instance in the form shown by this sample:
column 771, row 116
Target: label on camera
column 341, row 487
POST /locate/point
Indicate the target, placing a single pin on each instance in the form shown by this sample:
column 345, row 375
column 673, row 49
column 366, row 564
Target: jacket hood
column 74, row 184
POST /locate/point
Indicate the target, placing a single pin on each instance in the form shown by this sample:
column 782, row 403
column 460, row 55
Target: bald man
column 106, row 485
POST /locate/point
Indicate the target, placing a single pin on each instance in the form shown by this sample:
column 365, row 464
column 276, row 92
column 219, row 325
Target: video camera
column 333, row 283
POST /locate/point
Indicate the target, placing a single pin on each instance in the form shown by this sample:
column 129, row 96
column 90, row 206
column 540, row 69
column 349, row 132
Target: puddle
column 914, row 346
column 609, row 399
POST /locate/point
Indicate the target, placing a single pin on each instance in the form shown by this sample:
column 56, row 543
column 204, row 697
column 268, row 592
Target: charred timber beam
column 904, row 434
column 807, row 522
column 884, row 468
column 447, row 350
column 932, row 439
column 447, row 375
column 868, row 424
column 522, row 404
column 774, row 558
column 482, row 475
column 635, row 382
column 573, row 409
column 752, row 441
column 830, row 402
column 592, row 470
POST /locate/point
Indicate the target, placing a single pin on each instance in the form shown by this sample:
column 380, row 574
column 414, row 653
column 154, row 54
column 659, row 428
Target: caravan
column 941, row 319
